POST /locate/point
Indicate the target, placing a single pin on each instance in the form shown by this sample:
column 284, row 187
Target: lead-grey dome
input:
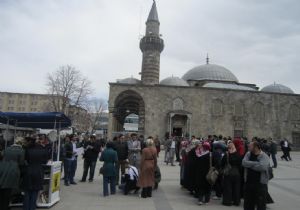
column 129, row 80
column 277, row 88
column 228, row 86
column 174, row 81
column 210, row 72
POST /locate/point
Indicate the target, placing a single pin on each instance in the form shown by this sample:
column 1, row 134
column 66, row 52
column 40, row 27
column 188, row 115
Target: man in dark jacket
column 121, row 148
column 10, row 172
column 256, row 164
column 91, row 152
column 273, row 152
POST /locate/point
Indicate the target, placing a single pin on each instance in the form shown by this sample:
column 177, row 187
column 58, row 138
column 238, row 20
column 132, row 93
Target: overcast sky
column 258, row 40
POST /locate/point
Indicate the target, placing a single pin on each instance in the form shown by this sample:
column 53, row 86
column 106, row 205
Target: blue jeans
column 112, row 181
column 73, row 169
column 30, row 198
column 67, row 169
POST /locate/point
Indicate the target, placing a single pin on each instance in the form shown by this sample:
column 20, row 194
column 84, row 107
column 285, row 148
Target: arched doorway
column 128, row 103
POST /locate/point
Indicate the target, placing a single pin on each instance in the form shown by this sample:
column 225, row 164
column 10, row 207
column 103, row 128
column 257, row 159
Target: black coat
column 121, row 149
column 35, row 157
column 91, row 150
column 68, row 148
column 201, row 169
column 235, row 160
column 189, row 174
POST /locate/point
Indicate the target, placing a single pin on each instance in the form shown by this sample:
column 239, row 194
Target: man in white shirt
column 130, row 179
column 74, row 160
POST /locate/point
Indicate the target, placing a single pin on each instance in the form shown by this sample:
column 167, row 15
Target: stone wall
column 217, row 111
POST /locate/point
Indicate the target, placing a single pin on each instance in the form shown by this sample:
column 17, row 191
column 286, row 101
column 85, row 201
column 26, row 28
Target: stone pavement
column 284, row 188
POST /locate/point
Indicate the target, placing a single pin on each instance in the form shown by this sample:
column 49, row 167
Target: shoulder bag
column 213, row 173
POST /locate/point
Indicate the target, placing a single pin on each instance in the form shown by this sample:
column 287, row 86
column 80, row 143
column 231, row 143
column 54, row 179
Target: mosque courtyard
column 284, row 189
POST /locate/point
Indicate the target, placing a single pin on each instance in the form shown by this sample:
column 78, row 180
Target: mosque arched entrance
column 128, row 113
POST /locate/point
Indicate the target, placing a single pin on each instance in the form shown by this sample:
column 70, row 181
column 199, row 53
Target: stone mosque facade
column 208, row 99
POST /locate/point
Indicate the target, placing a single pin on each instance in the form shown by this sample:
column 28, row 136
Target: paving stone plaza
column 284, row 189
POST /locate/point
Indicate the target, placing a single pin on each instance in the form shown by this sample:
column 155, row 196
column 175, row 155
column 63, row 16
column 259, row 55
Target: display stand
column 50, row 194
column 51, row 187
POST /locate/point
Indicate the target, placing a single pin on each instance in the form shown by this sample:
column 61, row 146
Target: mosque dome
column 174, row 81
column 228, row 86
column 129, row 80
column 277, row 88
column 210, row 72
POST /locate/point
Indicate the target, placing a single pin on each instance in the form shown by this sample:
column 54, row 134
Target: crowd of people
column 214, row 167
column 21, row 169
column 230, row 169
column 136, row 159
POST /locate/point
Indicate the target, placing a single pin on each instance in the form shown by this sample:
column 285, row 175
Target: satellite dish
column 8, row 135
column 52, row 136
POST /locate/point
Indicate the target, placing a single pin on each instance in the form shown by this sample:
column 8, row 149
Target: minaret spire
column 151, row 45
column 207, row 59
column 153, row 15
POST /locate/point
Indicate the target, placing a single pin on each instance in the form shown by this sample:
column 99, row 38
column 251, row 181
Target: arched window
column 177, row 104
column 239, row 109
column 217, row 107
column 294, row 112
column 259, row 111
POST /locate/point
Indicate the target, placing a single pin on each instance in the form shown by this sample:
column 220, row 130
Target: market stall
column 46, row 120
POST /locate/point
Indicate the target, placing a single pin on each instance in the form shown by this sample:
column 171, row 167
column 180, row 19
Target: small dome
column 129, row 80
column 210, row 72
column 228, row 86
column 277, row 88
column 174, row 81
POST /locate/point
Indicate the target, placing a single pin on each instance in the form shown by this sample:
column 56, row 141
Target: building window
column 10, row 108
column 34, row 103
column 239, row 109
column 33, row 109
column 178, row 104
column 238, row 133
column 258, row 111
column 11, row 102
column 294, row 112
column 21, row 109
column 217, row 107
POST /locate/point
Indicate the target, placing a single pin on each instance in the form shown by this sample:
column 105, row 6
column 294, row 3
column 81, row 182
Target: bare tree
column 68, row 86
column 96, row 110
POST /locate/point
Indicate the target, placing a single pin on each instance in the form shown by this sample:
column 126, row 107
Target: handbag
column 227, row 168
column 213, row 173
column 101, row 170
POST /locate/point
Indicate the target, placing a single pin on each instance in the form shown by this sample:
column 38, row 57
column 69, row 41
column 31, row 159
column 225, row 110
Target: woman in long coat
column 110, row 158
column 148, row 165
column 202, row 164
column 232, row 177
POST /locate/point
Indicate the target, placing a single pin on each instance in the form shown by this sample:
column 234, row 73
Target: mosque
column 208, row 99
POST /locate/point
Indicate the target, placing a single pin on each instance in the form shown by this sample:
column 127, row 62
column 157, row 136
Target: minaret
column 151, row 45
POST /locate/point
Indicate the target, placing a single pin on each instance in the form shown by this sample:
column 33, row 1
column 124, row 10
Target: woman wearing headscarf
column 148, row 165
column 189, row 174
column 202, row 164
column 183, row 154
column 231, row 165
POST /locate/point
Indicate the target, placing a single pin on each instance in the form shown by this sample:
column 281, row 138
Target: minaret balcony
column 151, row 43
